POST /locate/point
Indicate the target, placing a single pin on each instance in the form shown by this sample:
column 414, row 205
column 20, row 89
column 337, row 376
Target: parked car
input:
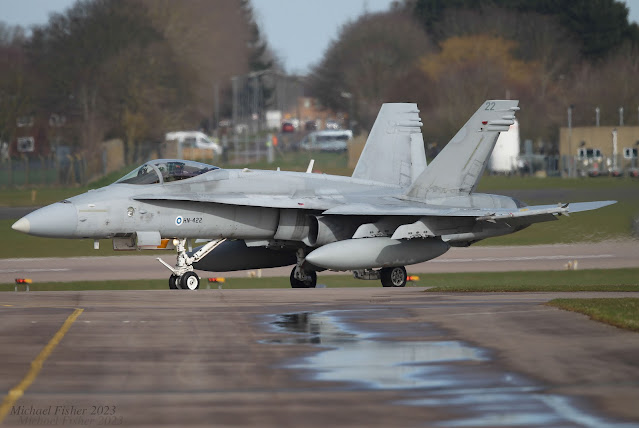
column 327, row 141
column 287, row 127
column 332, row 124
column 310, row 125
column 194, row 139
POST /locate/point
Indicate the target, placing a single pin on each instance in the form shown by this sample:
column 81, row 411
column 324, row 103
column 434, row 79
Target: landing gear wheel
column 174, row 282
column 183, row 276
column 311, row 283
column 190, row 281
column 393, row 276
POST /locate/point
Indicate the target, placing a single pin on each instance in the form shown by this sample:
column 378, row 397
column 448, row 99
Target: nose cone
column 22, row 225
column 58, row 220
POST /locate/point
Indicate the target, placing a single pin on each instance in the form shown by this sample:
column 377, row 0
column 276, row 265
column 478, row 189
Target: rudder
column 456, row 170
column 394, row 151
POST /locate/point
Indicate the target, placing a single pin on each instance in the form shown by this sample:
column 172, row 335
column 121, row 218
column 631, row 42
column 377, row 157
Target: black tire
column 296, row 283
column 190, row 281
column 393, row 276
column 173, row 282
column 313, row 282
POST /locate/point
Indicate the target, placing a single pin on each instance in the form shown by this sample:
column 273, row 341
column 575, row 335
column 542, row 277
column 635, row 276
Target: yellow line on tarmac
column 36, row 365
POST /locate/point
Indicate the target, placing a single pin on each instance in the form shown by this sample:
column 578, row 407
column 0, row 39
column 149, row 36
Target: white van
column 327, row 141
column 194, row 139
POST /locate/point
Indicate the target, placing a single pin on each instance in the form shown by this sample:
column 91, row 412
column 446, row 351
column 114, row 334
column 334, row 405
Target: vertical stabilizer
column 394, row 152
column 456, row 170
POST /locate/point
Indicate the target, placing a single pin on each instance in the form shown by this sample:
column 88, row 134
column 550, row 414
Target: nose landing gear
column 183, row 276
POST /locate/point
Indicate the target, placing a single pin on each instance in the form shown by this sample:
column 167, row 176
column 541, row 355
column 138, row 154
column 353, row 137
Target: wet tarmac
column 434, row 374
column 312, row 357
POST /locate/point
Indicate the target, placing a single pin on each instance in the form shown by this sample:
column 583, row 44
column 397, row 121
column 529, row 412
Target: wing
column 544, row 210
column 335, row 205
column 453, row 224
column 405, row 208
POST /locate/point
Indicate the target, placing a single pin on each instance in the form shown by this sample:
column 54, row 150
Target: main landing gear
column 390, row 276
column 183, row 277
column 300, row 277
column 393, row 276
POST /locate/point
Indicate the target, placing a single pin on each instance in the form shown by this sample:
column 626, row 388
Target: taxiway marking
column 36, row 365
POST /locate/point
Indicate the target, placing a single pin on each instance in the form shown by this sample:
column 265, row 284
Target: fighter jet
column 392, row 212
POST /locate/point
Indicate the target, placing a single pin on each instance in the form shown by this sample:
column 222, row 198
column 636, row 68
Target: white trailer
column 506, row 152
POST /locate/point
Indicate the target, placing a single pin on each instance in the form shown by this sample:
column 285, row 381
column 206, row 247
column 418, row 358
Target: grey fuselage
column 125, row 209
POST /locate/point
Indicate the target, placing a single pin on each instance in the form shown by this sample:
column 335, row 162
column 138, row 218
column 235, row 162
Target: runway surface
column 603, row 255
column 387, row 357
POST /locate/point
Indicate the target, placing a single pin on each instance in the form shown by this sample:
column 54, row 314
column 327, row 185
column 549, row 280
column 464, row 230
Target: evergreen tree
column 601, row 26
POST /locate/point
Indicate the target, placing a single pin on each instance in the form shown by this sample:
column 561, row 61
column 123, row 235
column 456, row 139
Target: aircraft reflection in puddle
column 435, row 374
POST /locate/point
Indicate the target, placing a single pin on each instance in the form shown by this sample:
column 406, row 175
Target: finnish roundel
column 179, row 220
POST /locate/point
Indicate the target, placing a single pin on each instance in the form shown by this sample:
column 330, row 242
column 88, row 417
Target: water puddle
column 433, row 373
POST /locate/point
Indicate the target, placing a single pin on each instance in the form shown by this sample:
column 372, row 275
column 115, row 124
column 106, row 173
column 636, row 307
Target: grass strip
column 621, row 312
column 529, row 281
column 163, row 284
column 584, row 280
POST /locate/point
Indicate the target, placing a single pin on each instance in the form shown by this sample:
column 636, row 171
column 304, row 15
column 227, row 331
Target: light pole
column 620, row 116
column 216, row 108
column 234, row 84
column 570, row 155
column 597, row 116
column 349, row 97
column 614, row 149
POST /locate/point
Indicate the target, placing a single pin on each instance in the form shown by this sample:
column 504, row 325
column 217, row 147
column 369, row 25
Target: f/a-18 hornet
column 392, row 212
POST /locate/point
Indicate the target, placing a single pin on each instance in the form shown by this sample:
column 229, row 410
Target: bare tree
column 69, row 54
column 15, row 94
column 212, row 40
column 369, row 55
column 609, row 85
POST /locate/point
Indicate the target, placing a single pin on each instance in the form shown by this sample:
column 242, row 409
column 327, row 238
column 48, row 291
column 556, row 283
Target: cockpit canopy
column 165, row 171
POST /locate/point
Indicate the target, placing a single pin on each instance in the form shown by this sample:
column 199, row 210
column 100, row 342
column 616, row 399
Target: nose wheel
column 183, row 277
column 190, row 281
column 174, row 280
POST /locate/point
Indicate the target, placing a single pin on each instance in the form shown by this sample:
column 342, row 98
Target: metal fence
column 71, row 170
column 575, row 166
column 43, row 170
column 247, row 149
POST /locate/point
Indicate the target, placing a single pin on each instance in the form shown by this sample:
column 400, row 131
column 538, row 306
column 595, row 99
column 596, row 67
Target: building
column 589, row 150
